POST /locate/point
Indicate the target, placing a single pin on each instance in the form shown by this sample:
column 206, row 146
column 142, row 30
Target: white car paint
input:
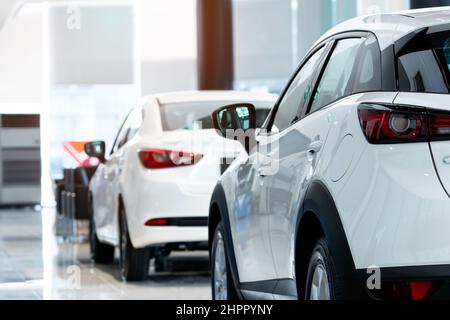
column 164, row 193
column 393, row 207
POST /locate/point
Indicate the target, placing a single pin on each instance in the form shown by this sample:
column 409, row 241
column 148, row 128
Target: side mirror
column 237, row 122
column 96, row 149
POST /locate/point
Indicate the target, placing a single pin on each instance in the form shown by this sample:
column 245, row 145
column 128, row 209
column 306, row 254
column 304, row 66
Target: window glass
column 335, row 82
column 193, row 116
column 424, row 64
column 298, row 93
column 135, row 124
column 368, row 74
column 122, row 134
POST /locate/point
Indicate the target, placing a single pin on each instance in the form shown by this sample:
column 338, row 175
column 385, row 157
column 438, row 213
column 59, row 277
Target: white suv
column 347, row 193
column 151, row 194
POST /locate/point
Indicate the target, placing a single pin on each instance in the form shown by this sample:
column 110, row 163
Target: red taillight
column 400, row 124
column 382, row 124
column 156, row 222
column 439, row 125
column 413, row 290
column 420, row 290
column 163, row 159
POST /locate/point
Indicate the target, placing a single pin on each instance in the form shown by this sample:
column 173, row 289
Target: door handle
column 315, row 147
column 265, row 166
column 262, row 172
column 108, row 175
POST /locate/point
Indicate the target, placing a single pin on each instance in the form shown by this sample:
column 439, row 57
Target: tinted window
column 189, row 116
column 298, row 93
column 335, row 82
column 261, row 116
column 423, row 66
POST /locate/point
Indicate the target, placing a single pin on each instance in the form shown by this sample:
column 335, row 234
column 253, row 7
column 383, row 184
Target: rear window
column 190, row 116
column 424, row 64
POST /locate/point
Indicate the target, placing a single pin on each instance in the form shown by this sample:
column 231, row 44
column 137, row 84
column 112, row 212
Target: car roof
column 204, row 96
column 389, row 27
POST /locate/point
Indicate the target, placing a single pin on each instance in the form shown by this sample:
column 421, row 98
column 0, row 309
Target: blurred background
column 81, row 65
column 71, row 70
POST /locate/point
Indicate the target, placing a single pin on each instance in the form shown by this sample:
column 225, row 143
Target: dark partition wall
column 20, row 159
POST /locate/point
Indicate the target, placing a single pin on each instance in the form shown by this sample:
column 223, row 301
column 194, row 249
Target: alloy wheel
column 320, row 286
column 220, row 270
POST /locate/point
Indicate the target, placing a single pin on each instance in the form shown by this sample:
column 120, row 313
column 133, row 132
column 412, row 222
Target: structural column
column 215, row 44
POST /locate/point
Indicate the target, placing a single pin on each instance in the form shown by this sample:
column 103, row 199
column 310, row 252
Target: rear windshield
column 424, row 64
column 190, row 116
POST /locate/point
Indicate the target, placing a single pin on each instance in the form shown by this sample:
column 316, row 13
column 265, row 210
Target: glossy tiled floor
column 35, row 264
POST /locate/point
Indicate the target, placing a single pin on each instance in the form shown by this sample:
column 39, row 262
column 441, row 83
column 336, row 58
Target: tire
column 100, row 253
column 221, row 279
column 322, row 281
column 134, row 263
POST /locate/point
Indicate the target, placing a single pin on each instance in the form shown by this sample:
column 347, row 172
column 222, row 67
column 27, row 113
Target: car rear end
column 401, row 222
column 179, row 168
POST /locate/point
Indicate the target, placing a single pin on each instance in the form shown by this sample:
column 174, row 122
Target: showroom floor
column 35, row 264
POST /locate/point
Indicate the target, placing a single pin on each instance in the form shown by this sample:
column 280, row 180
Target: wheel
column 100, row 253
column 134, row 263
column 221, row 280
column 322, row 281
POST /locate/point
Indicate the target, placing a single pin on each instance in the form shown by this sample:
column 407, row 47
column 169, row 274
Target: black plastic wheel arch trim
column 218, row 199
column 319, row 201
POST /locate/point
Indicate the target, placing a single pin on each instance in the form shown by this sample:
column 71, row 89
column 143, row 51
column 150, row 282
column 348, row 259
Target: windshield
column 190, row 116
column 424, row 64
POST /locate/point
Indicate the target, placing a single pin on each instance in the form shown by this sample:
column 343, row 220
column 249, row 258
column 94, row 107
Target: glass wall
column 272, row 36
column 103, row 56
column 168, row 46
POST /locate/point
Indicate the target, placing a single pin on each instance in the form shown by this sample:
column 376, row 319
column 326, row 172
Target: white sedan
column 151, row 194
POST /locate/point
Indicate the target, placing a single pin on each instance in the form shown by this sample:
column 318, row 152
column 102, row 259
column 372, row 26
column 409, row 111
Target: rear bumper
column 439, row 275
column 155, row 236
column 182, row 201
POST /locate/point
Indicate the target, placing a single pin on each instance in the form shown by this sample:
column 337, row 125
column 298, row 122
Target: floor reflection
column 35, row 264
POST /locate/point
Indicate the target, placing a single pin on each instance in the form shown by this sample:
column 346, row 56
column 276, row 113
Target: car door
column 295, row 148
column 252, row 207
column 106, row 200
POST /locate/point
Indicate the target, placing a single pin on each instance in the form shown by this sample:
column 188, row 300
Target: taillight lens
column 163, row 159
column 382, row 124
column 156, row 223
column 439, row 125
column 400, row 124
column 407, row 290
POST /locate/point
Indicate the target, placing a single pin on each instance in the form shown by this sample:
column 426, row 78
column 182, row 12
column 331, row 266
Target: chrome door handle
column 264, row 166
column 265, row 171
column 315, row 147
column 261, row 173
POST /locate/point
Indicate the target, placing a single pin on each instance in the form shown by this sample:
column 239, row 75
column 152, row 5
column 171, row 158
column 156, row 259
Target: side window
column 135, row 124
column 336, row 80
column 299, row 91
column 121, row 138
column 424, row 64
column 368, row 75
